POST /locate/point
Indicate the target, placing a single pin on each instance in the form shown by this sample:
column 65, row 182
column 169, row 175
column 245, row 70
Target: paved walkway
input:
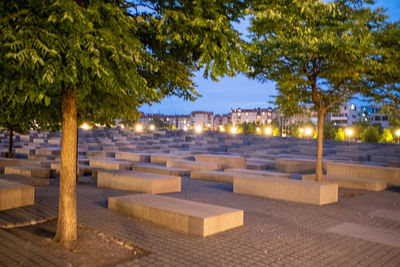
column 275, row 233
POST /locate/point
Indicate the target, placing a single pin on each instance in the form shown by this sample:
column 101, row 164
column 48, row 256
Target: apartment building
column 257, row 115
column 345, row 115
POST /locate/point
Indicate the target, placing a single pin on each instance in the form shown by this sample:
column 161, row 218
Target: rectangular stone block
column 110, row 164
column 31, row 171
column 164, row 158
column 285, row 189
column 133, row 156
column 15, row 195
column 154, row 168
column 350, row 182
column 391, row 176
column 217, row 176
column 259, row 173
column 139, row 181
column 223, row 161
column 296, row 165
column 193, row 165
column 181, row 215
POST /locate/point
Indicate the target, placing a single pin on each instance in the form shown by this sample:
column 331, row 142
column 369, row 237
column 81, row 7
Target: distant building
column 148, row 119
column 178, row 121
column 201, row 118
column 221, row 120
column 346, row 115
column 373, row 114
column 257, row 115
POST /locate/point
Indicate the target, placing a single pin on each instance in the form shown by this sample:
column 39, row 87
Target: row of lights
column 233, row 130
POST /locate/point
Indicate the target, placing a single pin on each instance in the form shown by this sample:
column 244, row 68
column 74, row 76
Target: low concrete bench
column 192, row 165
column 164, row 158
column 217, row 176
column 139, row 181
column 286, row 189
column 296, row 165
column 133, row 156
column 351, row 182
column 31, row 171
column 180, row 215
column 154, row 168
column 259, row 173
column 390, row 176
column 260, row 164
column 100, row 154
column 15, row 195
column 223, row 161
column 110, row 164
column 83, row 170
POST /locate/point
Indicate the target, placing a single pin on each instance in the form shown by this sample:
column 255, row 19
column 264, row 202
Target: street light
column 152, row 127
column 185, row 128
column 233, row 130
column 138, row 127
column 198, row 129
column 398, row 134
column 85, row 126
column 308, row 132
column 258, row 130
column 349, row 132
column 268, row 131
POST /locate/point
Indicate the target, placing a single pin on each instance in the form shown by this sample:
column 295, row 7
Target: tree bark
column 67, row 218
column 320, row 143
column 10, row 143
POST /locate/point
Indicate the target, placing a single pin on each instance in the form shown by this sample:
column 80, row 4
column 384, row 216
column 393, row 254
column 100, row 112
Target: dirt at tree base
column 93, row 248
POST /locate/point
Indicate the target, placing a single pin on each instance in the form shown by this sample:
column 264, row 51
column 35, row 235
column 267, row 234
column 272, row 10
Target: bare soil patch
column 93, row 248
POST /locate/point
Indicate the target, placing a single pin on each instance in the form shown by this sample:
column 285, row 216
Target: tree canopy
column 319, row 54
column 99, row 60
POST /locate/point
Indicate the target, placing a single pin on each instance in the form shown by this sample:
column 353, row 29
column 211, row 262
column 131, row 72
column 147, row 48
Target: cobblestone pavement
column 275, row 233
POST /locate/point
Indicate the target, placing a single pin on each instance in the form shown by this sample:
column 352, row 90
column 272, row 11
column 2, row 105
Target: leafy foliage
column 370, row 134
column 339, row 135
column 386, row 136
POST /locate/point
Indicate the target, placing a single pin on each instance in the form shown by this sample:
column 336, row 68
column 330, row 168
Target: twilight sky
column 239, row 91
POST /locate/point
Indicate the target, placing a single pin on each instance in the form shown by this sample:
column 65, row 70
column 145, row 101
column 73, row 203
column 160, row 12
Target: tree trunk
column 67, row 218
column 10, row 143
column 320, row 143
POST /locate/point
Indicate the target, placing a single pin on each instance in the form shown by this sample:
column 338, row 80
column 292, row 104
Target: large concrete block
column 351, row 182
column 296, row 165
column 164, row 158
column 389, row 175
column 181, row 215
column 193, row 165
column 154, row 168
column 139, row 181
column 285, row 189
column 259, row 173
column 223, row 161
column 31, row 171
column 110, row 164
column 15, row 195
column 133, row 156
column 217, row 176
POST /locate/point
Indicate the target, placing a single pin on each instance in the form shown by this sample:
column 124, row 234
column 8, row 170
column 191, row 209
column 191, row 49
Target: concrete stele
column 181, row 215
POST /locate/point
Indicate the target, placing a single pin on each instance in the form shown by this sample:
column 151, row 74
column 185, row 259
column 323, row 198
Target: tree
column 100, row 60
column 370, row 134
column 386, row 136
column 339, row 135
column 329, row 130
column 318, row 53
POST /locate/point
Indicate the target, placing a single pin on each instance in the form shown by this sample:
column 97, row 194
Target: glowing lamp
column 349, row 132
column 138, row 127
column 198, row 129
column 152, row 127
column 308, row 131
column 85, row 126
column 233, row 130
column 268, row 131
